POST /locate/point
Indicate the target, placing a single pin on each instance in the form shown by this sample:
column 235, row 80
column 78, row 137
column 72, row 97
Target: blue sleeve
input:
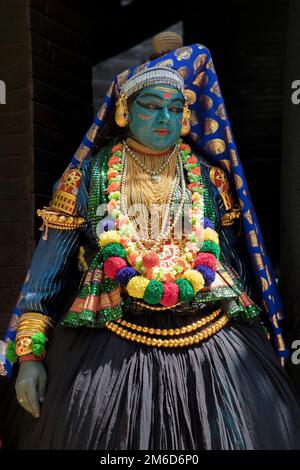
column 52, row 269
column 54, row 262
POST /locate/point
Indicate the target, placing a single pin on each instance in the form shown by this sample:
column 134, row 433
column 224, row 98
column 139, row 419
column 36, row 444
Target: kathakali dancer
column 158, row 339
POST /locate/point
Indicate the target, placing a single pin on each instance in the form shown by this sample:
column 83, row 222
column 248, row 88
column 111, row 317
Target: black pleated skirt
column 105, row 392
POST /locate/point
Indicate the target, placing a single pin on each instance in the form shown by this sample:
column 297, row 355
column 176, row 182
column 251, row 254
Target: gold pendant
column 155, row 178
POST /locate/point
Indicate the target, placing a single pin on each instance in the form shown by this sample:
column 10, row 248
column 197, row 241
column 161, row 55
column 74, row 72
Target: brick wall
column 62, row 92
column 16, row 199
column 44, row 61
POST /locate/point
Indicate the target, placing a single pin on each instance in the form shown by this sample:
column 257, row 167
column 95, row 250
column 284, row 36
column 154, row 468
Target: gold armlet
column 231, row 216
column 30, row 323
column 220, row 181
column 65, row 195
column 58, row 221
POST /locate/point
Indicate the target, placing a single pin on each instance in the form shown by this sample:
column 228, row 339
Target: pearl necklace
column 165, row 231
column 154, row 175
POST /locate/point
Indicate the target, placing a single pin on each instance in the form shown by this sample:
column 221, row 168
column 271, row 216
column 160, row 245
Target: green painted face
column 155, row 116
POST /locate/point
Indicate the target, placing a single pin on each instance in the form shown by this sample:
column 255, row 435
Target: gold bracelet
column 169, row 343
column 60, row 221
column 36, row 316
column 173, row 331
column 28, row 333
column 33, row 326
column 37, row 320
column 34, row 322
column 24, row 346
column 30, row 323
column 230, row 217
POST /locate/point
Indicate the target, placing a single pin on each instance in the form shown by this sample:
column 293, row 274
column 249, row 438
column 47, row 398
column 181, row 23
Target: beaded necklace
column 154, row 175
column 194, row 264
column 164, row 230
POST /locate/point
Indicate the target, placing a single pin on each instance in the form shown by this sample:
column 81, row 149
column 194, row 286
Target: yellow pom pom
column 137, row 285
column 112, row 236
column 195, row 278
column 211, row 235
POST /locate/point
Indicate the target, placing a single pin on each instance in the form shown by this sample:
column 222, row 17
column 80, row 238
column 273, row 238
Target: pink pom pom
column 207, row 259
column 112, row 265
column 170, row 294
column 150, row 260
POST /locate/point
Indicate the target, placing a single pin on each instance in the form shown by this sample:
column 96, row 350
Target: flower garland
column 192, row 269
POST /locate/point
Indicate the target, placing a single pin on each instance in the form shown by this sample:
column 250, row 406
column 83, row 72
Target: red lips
column 162, row 131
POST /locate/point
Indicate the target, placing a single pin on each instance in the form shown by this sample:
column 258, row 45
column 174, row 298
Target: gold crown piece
column 165, row 41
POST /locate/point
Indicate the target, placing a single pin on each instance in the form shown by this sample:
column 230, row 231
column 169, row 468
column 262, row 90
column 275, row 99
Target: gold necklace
column 165, row 231
column 141, row 149
column 154, row 174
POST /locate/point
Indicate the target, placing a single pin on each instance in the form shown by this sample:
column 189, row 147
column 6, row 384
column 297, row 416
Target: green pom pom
column 186, row 291
column 38, row 343
column 211, row 247
column 38, row 349
column 113, row 249
column 153, row 292
column 39, row 338
column 11, row 354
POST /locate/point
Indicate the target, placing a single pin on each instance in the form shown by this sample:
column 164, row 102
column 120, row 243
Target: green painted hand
column 31, row 385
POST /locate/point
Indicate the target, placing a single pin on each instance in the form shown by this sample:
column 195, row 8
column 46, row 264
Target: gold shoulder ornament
column 62, row 212
column 220, row 181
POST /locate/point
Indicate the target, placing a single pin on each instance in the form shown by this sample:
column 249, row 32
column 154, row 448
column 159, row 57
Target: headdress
column 151, row 76
column 211, row 135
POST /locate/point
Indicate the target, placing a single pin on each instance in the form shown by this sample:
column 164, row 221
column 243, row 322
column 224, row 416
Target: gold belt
column 180, row 341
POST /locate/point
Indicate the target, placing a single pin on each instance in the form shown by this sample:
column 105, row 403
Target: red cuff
column 31, row 357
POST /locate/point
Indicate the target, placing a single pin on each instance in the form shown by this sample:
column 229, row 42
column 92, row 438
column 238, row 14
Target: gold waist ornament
column 182, row 338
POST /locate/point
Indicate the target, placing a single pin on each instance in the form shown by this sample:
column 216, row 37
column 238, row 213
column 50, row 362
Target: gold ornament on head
column 166, row 41
column 121, row 115
column 186, row 120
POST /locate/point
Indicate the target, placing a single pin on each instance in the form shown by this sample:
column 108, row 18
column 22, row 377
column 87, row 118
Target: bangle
column 34, row 344
column 31, row 334
column 37, row 316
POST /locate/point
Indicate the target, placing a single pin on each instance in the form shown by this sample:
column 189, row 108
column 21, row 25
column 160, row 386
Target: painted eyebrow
column 152, row 95
column 159, row 97
column 178, row 99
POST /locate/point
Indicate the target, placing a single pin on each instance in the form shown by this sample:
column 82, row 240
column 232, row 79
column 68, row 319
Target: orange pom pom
column 113, row 160
column 185, row 147
column 112, row 174
column 192, row 159
column 196, row 170
column 113, row 187
column 116, row 148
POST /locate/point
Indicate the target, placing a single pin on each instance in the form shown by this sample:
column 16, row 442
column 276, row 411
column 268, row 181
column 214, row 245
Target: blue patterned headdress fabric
column 212, row 136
